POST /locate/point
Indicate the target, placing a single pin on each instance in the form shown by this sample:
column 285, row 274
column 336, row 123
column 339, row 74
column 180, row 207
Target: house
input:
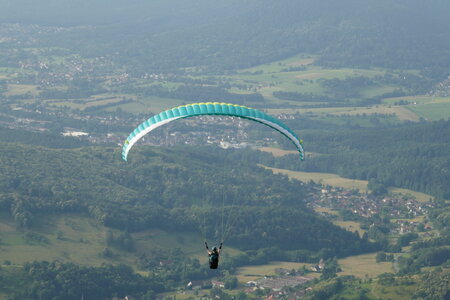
column 217, row 284
column 198, row 284
column 319, row 267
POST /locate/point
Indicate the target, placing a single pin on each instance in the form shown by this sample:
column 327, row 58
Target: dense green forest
column 43, row 280
column 170, row 189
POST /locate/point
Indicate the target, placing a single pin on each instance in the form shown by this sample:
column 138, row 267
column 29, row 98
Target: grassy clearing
column 21, row 89
column 401, row 112
column 338, row 181
column 314, row 111
column 363, row 266
column 157, row 104
column 297, row 60
column 416, row 219
column 245, row 274
column 359, row 265
column 151, row 105
column 427, row 107
column 301, row 62
column 347, row 225
column 418, row 195
column 350, row 226
column 432, row 111
column 79, row 239
column 277, row 152
column 324, row 178
column 421, row 99
column 272, row 77
column 326, row 210
column 397, row 292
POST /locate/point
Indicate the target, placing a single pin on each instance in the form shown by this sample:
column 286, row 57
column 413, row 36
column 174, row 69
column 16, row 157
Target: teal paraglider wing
column 209, row 108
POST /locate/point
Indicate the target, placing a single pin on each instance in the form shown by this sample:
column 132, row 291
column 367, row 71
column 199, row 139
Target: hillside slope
column 181, row 190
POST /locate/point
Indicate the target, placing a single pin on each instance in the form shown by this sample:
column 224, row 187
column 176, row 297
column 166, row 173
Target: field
column 338, row 181
column 326, row 210
column 350, row 226
column 418, row 195
column 426, row 107
column 432, row 111
column 277, row 152
column 297, row 74
column 79, row 239
column 397, row 292
column 401, row 112
column 19, row 89
column 245, row 274
column 363, row 266
column 324, row 178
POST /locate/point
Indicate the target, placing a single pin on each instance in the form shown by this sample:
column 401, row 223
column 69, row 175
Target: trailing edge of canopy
column 209, row 108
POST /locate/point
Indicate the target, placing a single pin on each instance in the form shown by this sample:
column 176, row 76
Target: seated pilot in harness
column 213, row 255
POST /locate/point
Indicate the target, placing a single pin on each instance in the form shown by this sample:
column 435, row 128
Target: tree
column 330, row 269
column 231, row 282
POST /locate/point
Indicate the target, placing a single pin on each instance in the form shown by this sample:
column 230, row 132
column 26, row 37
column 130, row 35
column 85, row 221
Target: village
column 222, row 131
column 403, row 210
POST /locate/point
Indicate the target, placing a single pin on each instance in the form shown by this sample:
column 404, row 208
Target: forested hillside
column 172, row 189
column 169, row 35
column 412, row 155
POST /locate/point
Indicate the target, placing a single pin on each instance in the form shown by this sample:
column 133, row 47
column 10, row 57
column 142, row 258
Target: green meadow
column 338, row 181
column 248, row 273
column 297, row 74
column 363, row 266
column 79, row 239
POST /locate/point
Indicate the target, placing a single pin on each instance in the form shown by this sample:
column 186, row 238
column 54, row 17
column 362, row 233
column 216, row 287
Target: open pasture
column 363, row 265
column 326, row 210
column 427, row 107
column 422, row 197
column 401, row 112
column 432, row 111
column 277, row 152
column 79, row 239
column 338, row 181
column 324, row 178
column 282, row 76
column 277, row 66
column 21, row 89
column 415, row 100
column 350, row 226
column 248, row 273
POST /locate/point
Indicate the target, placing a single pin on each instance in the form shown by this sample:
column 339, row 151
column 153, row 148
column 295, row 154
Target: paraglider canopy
column 209, row 108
